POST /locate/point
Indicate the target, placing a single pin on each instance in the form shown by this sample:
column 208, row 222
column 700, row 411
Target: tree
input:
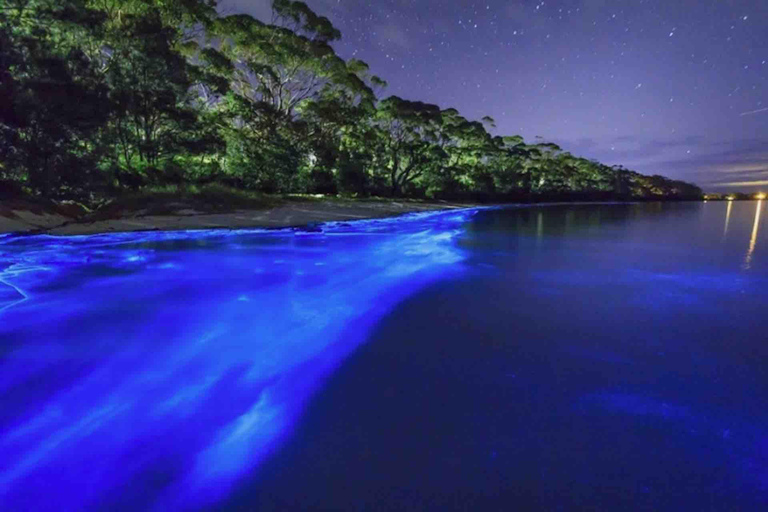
column 468, row 147
column 338, row 126
column 54, row 102
column 286, row 76
column 408, row 142
column 510, row 164
column 131, row 93
column 152, row 84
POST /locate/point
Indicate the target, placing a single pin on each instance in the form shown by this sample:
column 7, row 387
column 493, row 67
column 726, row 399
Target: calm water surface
column 580, row 357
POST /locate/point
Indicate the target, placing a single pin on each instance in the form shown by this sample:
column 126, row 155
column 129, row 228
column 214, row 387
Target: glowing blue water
column 180, row 360
column 601, row 357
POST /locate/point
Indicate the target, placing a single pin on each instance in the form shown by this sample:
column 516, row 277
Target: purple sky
column 674, row 87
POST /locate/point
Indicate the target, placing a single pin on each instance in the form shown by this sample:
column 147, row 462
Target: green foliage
column 105, row 97
column 269, row 164
column 303, row 20
column 53, row 101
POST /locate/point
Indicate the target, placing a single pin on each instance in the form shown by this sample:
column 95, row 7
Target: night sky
column 673, row 87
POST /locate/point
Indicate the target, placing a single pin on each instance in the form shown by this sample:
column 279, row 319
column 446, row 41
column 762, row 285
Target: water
column 582, row 357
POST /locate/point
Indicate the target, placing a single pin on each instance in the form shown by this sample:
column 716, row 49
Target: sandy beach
column 290, row 214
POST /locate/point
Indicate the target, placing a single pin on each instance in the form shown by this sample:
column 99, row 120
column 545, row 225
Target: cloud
column 579, row 147
column 522, row 14
column 518, row 11
column 594, row 6
column 259, row 9
column 744, row 184
column 392, row 34
column 729, row 164
column 712, row 164
column 637, row 149
column 631, row 148
column 743, row 178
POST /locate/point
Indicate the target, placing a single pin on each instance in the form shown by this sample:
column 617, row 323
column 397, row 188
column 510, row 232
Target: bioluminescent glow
column 178, row 361
column 740, row 440
column 212, row 370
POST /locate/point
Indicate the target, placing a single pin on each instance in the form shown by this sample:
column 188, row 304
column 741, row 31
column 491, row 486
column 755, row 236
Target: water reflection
column 727, row 218
column 753, row 239
column 539, row 226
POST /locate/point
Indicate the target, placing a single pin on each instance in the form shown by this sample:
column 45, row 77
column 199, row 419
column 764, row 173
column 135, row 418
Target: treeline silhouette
column 105, row 97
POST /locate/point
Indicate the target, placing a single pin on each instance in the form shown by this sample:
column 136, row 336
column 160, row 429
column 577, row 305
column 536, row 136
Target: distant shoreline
column 27, row 219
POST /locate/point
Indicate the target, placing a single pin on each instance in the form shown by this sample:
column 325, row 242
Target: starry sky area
column 672, row 87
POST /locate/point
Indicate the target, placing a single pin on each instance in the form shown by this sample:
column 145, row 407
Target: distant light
column 760, row 196
column 730, row 198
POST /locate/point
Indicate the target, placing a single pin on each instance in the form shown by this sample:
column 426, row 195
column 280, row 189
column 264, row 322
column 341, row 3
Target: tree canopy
column 106, row 96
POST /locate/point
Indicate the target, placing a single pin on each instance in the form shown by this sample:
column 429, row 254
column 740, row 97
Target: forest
column 102, row 98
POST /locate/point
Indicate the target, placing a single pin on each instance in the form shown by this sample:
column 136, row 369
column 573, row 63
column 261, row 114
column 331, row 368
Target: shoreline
column 289, row 215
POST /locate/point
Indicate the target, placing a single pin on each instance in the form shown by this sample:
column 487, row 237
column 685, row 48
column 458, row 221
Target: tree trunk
column 395, row 188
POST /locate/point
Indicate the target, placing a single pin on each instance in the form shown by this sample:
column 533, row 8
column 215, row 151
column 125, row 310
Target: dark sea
column 573, row 357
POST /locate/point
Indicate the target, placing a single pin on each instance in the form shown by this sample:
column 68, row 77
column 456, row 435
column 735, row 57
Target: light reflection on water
column 753, row 238
column 727, row 218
